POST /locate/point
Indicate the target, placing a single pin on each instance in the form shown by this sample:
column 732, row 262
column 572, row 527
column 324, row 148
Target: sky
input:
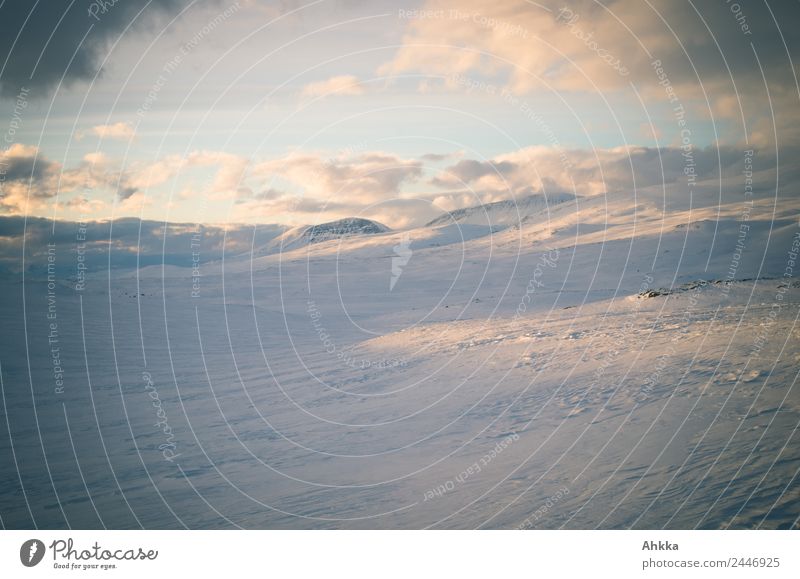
column 255, row 112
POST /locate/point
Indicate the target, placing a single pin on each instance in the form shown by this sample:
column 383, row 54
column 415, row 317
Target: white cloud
column 123, row 131
column 337, row 85
column 227, row 182
column 365, row 177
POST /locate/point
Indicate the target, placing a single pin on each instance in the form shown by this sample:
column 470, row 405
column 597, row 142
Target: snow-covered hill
column 309, row 234
column 503, row 213
column 613, row 362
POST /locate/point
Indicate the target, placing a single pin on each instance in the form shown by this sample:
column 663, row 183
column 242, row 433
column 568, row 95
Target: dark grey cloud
column 43, row 41
column 125, row 192
column 22, row 169
column 25, row 168
column 707, row 32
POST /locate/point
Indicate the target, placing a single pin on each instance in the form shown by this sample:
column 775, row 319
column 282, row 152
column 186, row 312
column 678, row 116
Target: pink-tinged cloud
column 334, row 86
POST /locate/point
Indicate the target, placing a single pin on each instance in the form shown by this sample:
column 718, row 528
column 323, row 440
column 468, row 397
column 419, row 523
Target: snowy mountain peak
column 343, row 228
column 311, row 234
column 502, row 213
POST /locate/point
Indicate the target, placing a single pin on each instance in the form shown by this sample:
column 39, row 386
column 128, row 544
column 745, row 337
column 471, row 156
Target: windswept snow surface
column 615, row 362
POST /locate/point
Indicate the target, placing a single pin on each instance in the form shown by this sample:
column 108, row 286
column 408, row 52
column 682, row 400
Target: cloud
column 344, row 180
column 303, row 187
column 469, row 170
column 47, row 44
column 337, row 85
column 437, row 157
column 29, row 181
column 228, row 181
column 20, row 174
column 586, row 172
column 365, row 177
column 601, row 48
column 121, row 130
column 575, row 46
column 18, row 164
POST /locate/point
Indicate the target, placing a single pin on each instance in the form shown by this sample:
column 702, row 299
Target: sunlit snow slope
column 615, row 361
